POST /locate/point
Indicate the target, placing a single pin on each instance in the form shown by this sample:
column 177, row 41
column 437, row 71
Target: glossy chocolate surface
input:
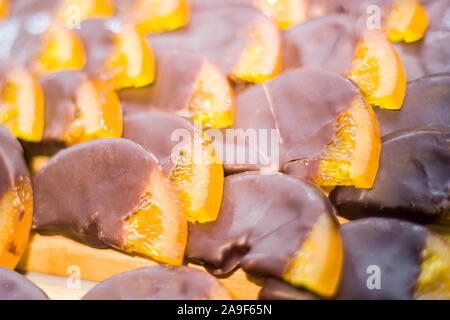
column 426, row 103
column 156, row 283
column 393, row 246
column 263, row 222
column 12, row 162
column 14, row 286
column 413, row 180
column 219, row 33
column 326, row 43
column 87, row 191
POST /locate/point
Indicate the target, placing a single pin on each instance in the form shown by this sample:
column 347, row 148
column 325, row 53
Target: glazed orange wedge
column 62, row 50
column 22, row 104
column 198, row 175
column 98, row 114
column 158, row 227
column 4, row 8
column 160, row 15
column 132, row 63
column 378, row 71
column 407, row 21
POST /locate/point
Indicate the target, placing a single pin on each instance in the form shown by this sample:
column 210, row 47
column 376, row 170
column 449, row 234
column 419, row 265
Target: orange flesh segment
column 99, row 114
column 434, row 280
column 261, row 58
column 36, row 163
column 352, row 158
column 318, row 264
column 16, row 213
column 198, row 176
column 212, row 102
column 286, row 13
column 85, row 9
column 161, row 15
column 158, row 227
column 4, row 8
column 378, row 71
column 407, row 21
column 132, row 64
column 63, row 49
column 22, row 106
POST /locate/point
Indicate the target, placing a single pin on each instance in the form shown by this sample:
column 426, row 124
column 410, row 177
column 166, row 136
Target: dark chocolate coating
column 177, row 72
column 87, row 191
column 153, row 131
column 392, row 245
column 303, row 104
column 413, row 180
column 274, row 289
column 263, row 221
column 426, row 103
column 14, row 286
column 12, row 162
column 156, row 283
column 219, row 33
column 327, row 43
column 98, row 37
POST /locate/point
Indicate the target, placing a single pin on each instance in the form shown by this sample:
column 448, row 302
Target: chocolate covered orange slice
column 16, row 201
column 111, row 192
column 21, row 101
column 187, row 155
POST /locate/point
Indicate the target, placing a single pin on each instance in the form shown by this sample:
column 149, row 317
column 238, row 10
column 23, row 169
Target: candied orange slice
column 318, row 264
column 434, row 280
column 62, row 50
column 16, row 213
column 286, row 13
column 198, row 175
column 85, row 9
column 212, row 102
column 261, row 58
column 352, row 157
column 158, row 227
column 407, row 21
column 160, row 15
column 4, row 8
column 22, row 105
column 98, row 114
column 132, row 63
column 378, row 71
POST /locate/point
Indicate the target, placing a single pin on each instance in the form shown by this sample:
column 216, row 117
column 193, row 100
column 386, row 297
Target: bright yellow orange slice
column 378, row 71
column 22, row 104
column 84, row 9
column 286, row 13
column 198, row 175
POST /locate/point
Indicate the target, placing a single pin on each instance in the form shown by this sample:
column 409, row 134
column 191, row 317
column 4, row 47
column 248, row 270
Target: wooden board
column 57, row 255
